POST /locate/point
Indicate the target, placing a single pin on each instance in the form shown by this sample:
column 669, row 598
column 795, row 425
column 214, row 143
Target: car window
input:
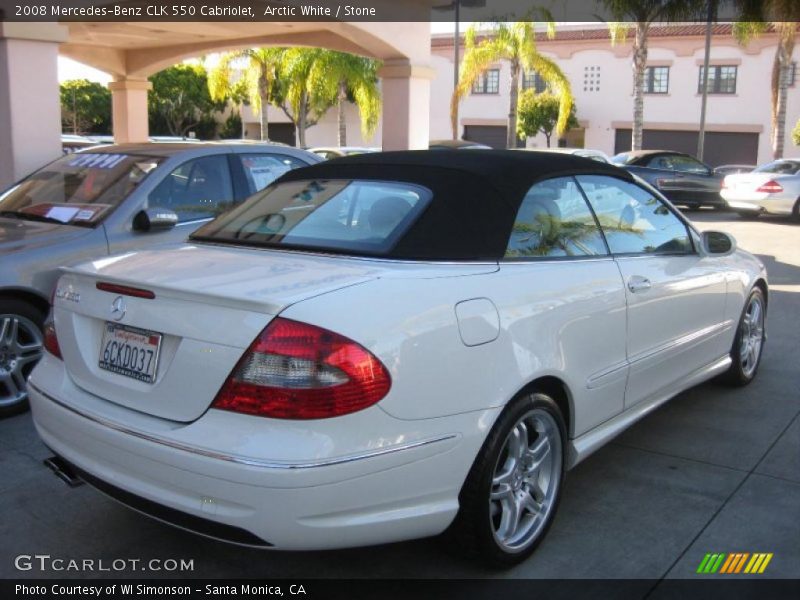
column 780, row 167
column 687, row 164
column 79, row 189
column 262, row 169
column 634, row 220
column 555, row 221
column 662, row 162
column 343, row 215
column 198, row 189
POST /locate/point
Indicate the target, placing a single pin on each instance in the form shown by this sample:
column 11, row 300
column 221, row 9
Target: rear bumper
column 760, row 203
column 403, row 491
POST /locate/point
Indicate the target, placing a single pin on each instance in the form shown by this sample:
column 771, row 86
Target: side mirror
column 154, row 219
column 718, row 243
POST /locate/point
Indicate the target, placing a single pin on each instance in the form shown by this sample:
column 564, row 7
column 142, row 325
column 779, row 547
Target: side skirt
column 582, row 446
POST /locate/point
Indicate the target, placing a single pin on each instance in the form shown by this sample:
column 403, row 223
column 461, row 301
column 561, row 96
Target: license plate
column 130, row 351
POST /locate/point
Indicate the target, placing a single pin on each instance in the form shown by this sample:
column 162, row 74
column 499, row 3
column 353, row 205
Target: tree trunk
column 547, row 137
column 263, row 94
column 780, row 84
column 511, row 134
column 341, row 117
column 639, row 65
column 301, row 121
column 74, row 113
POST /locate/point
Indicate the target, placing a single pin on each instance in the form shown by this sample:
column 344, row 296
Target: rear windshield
column 349, row 216
column 780, row 167
column 79, row 189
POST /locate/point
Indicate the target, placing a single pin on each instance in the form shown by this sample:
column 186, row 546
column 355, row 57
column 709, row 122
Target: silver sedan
column 773, row 188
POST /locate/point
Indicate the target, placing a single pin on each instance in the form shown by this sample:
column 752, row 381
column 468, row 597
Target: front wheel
column 20, row 349
column 512, row 491
column 749, row 341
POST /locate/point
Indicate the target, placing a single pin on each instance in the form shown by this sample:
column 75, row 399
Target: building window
column 591, row 79
column 656, row 80
column 487, row 82
column 532, row 80
column 721, row 80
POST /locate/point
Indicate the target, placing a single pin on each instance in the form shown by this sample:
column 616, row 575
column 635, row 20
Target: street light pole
column 701, row 137
column 456, row 48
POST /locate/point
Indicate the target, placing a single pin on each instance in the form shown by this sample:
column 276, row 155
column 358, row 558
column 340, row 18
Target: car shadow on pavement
column 780, row 273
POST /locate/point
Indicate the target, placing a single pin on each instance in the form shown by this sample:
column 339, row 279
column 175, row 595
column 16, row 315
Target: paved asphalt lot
column 715, row 470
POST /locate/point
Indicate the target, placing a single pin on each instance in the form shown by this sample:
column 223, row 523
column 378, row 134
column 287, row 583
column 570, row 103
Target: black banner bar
column 321, row 10
column 408, row 589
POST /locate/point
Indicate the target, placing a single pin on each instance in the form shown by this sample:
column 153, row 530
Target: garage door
column 491, row 135
column 721, row 148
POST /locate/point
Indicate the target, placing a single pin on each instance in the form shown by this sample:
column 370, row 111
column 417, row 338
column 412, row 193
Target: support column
column 129, row 110
column 406, row 91
column 30, row 108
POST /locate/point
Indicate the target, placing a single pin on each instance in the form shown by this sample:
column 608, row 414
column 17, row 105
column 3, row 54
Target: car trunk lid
column 208, row 305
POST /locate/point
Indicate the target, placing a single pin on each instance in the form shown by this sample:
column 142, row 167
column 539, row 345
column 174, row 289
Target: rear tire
column 748, row 344
column 750, row 215
column 21, row 344
column 511, row 494
column 796, row 211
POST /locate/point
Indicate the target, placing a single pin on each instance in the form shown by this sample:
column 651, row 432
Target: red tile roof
column 601, row 33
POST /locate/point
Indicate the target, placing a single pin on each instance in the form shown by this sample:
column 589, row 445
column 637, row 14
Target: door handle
column 637, row 283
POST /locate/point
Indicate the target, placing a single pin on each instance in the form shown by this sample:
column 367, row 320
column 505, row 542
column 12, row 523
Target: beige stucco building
column 738, row 114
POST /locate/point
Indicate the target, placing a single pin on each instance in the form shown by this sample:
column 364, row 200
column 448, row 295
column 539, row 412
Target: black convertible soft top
column 476, row 193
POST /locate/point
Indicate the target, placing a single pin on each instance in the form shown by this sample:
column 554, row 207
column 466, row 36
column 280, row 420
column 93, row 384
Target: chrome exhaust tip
column 63, row 470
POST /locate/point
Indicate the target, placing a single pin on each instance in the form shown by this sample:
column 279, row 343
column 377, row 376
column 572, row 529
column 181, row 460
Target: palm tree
column 303, row 104
column 257, row 67
column 644, row 13
column 341, row 76
column 515, row 43
column 786, row 13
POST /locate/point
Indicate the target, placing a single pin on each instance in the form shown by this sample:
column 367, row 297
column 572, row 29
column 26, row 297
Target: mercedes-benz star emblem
column 118, row 308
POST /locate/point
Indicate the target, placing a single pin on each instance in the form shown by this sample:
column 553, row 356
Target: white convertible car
column 391, row 346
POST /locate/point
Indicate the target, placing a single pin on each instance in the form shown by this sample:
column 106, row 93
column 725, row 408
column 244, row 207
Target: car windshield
column 78, row 189
column 348, row 216
column 780, row 167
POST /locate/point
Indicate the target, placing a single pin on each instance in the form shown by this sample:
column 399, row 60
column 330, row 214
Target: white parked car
column 773, row 188
column 391, row 346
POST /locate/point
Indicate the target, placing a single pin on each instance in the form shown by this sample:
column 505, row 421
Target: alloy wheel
column 752, row 336
column 525, row 481
column 20, row 350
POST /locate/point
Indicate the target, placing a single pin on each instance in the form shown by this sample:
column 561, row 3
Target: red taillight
column 125, row 290
column 771, row 187
column 724, row 184
column 298, row 371
column 51, row 340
